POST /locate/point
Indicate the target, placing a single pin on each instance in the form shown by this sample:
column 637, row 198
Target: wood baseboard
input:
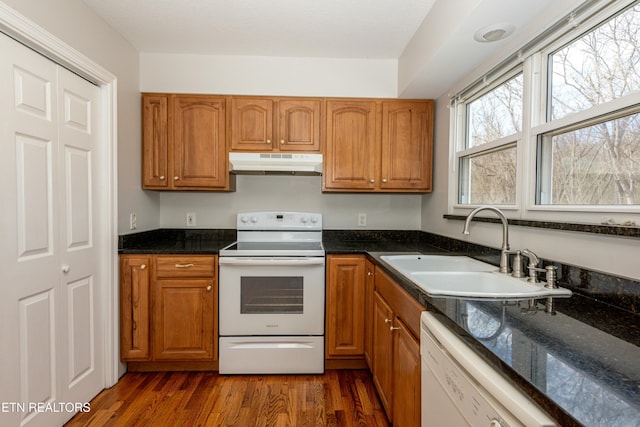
column 171, row 366
column 345, row 364
column 213, row 366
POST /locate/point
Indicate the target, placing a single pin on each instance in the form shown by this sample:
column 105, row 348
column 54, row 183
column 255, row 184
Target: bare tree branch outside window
column 600, row 163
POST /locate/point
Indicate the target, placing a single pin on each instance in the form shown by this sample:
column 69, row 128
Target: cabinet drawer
column 185, row 266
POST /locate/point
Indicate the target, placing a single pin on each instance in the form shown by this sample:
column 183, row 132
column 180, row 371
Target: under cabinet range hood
column 275, row 163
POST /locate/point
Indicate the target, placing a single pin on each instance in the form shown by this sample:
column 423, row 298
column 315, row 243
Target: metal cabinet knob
column 143, row 266
column 388, row 320
column 175, row 178
column 384, row 179
column 394, row 328
column 372, row 180
column 282, row 141
column 268, row 141
column 209, row 288
column 65, row 268
column 162, row 178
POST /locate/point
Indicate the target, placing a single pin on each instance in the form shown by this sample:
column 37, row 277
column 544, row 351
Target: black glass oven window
column 269, row 295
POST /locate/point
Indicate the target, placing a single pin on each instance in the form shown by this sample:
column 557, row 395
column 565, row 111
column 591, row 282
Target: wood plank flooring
column 337, row 398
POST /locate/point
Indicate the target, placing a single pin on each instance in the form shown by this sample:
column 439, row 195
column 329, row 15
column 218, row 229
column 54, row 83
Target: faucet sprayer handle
column 533, row 258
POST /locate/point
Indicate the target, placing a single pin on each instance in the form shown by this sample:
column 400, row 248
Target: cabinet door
column 155, row 134
column 369, row 283
column 407, row 145
column 252, row 124
column 382, row 370
column 183, row 319
column 345, row 306
column 299, row 125
column 406, row 377
column 351, row 146
column 199, row 150
column 134, row 307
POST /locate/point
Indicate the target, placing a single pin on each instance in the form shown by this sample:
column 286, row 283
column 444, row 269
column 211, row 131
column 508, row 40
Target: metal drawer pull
column 394, row 328
column 388, row 320
column 184, row 265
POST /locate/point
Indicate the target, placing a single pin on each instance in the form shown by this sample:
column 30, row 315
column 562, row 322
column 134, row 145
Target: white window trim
column 534, row 68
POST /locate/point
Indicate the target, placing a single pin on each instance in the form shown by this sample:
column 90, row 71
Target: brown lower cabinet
column 396, row 351
column 168, row 308
column 345, row 311
column 371, row 317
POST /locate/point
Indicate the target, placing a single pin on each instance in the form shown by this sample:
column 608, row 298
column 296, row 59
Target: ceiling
column 360, row 29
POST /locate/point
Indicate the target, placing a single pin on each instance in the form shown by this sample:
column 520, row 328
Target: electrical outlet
column 133, row 221
column 191, row 219
column 362, row 219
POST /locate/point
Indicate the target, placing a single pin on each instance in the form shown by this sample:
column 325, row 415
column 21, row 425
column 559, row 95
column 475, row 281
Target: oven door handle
column 277, row 261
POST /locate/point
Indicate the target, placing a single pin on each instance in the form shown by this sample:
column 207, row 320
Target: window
column 558, row 128
column 488, row 160
column 593, row 165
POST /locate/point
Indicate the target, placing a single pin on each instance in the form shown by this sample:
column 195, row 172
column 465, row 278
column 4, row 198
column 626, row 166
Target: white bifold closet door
column 52, row 341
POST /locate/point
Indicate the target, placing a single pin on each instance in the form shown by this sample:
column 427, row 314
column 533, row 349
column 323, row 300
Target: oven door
column 271, row 296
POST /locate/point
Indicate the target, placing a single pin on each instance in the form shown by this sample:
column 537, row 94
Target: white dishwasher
column 460, row 389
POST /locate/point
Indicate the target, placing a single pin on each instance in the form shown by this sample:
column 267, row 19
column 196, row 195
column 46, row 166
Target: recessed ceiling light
column 493, row 33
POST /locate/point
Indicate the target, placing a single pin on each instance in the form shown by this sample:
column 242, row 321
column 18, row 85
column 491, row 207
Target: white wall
column 79, row 27
column 615, row 255
column 299, row 193
column 258, row 75
column 286, row 77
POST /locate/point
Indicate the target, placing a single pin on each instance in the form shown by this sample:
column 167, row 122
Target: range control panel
column 279, row 220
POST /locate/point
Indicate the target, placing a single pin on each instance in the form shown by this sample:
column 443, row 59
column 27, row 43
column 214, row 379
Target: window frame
column 533, row 61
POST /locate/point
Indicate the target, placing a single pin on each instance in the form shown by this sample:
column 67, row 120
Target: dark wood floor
column 337, row 398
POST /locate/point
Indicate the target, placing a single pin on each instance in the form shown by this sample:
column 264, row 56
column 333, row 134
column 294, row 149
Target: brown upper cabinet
column 266, row 124
column 184, row 143
column 351, row 146
column 378, row 145
column 369, row 145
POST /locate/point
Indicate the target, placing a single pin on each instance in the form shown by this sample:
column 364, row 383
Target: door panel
column 34, row 222
column 49, row 295
column 299, row 125
column 406, row 145
column 199, row 149
column 383, row 352
column 37, row 350
column 29, row 251
column 351, row 146
column 252, row 124
column 81, row 336
column 82, row 351
column 155, row 141
column 77, row 174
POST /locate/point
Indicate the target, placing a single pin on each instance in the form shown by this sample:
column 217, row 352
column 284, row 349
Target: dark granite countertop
column 176, row 241
column 581, row 364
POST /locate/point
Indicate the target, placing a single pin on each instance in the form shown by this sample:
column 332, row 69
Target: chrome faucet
column 504, row 250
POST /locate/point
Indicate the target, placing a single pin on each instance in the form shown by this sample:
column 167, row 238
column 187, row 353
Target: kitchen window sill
column 606, row 229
